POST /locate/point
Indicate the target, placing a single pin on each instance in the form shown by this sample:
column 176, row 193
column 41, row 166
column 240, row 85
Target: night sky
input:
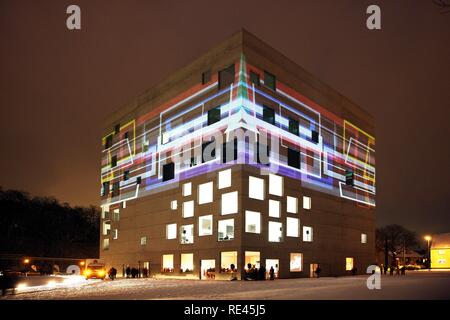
column 57, row 85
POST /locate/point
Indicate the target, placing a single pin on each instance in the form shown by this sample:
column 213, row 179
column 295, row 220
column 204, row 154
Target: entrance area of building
column 275, row 263
column 312, row 270
column 207, row 269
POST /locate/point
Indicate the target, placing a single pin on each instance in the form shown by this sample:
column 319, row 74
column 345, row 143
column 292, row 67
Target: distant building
column 297, row 191
column 440, row 251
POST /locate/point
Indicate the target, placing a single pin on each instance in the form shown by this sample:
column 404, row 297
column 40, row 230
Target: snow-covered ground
column 415, row 285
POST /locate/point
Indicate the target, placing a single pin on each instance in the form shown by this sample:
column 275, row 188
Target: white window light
column 187, row 262
column 363, row 238
column 187, row 189
column 224, row 179
column 205, row 225
column 291, row 204
column 168, row 261
column 275, row 185
column 252, row 222
column 348, row 263
column 187, row 234
column 226, row 230
column 296, row 263
column 116, row 234
column 205, row 193
column 188, row 209
column 230, row 203
column 306, row 203
column 307, row 234
column 143, row 241
column 275, row 231
column 274, row 208
column 256, row 188
column 174, row 204
column 171, row 231
column 228, row 258
column 165, row 137
column 105, row 244
column 292, row 227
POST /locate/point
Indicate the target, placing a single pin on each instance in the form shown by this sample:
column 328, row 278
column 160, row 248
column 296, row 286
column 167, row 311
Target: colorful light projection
column 331, row 149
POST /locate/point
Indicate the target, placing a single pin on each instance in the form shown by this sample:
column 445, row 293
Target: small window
column 275, row 231
column 256, row 188
column 187, row 189
column 296, row 263
column 116, row 189
column 138, row 180
column 105, row 244
column 126, row 175
column 275, row 185
column 307, row 234
column 254, row 78
column 171, row 231
column 105, row 188
column 116, row 215
column 187, row 262
column 206, row 76
column 143, row 241
column 226, row 77
column 125, row 135
column 226, row 230
column 306, row 203
column 349, row 177
column 293, row 158
column 270, row 80
column 193, row 162
column 363, row 238
column 205, row 193
column 224, row 179
column 230, row 151
column 274, row 208
column 348, row 264
column 115, row 234
column 229, row 203
column 315, row 136
column 291, row 204
column 188, row 209
column 228, row 260
column 113, row 161
column 292, row 227
column 205, row 225
column 117, row 128
column 213, row 115
column 208, row 151
column 167, row 263
column 269, row 115
column 108, row 141
column 252, row 222
column 168, row 171
column 174, row 204
column 293, row 126
column 187, row 234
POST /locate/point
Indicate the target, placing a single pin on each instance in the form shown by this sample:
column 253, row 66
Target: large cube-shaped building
column 239, row 160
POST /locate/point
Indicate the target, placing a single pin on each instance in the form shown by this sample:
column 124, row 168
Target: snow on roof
column 441, row 240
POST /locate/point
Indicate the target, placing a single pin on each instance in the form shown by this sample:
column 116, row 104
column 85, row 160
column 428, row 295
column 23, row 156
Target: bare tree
column 443, row 4
column 394, row 239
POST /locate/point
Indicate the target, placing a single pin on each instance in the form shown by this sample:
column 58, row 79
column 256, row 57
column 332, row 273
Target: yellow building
column 440, row 251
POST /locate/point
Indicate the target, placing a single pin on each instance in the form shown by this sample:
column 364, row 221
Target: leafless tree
column 443, row 4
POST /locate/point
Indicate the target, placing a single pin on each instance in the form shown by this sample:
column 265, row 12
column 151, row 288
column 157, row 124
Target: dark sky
column 58, row 85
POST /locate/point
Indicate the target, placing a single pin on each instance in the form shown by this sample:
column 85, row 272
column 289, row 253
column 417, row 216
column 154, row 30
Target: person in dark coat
column 271, row 273
column 317, row 271
column 128, row 271
column 262, row 273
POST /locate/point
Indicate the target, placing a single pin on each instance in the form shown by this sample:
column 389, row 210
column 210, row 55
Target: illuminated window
column 275, row 185
column 116, row 215
column 268, row 115
column 143, row 241
column 254, row 78
column 226, row 230
column 224, row 179
column 188, row 209
column 306, row 203
column 105, row 244
column 348, row 264
column 226, row 77
column 441, row 252
column 292, row 227
column 253, row 258
column 255, row 188
column 230, row 203
column 274, row 208
column 168, row 262
column 293, row 158
column 187, row 189
column 270, row 80
column 307, row 234
column 187, row 234
column 291, row 204
column 213, row 115
column 171, row 231
column 174, row 204
column 205, row 193
column 363, row 238
column 228, row 260
column 187, row 262
column 275, row 231
column 205, row 225
column 252, row 222
column 293, row 126
column 106, row 227
column 168, row 171
column 296, row 263
column 115, row 234
column 165, row 137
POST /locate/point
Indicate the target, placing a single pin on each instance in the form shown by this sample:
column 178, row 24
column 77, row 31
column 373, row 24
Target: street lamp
column 428, row 238
column 26, row 261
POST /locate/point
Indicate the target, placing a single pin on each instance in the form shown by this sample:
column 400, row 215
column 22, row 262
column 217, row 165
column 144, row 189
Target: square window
column 187, row 234
column 306, row 203
column 188, row 209
column 292, row 227
column 348, row 264
column 187, row 262
column 307, row 234
column 143, row 241
column 171, row 231
column 226, row 77
column 226, row 230
column 205, row 225
column 228, row 260
column 293, row 158
column 168, row 171
column 206, row 76
column 275, row 231
column 174, row 204
column 270, row 80
column 274, row 208
column 224, row 179
column 296, row 263
column 187, row 189
column 252, row 222
column 363, row 238
column 268, row 115
column 256, row 188
column 275, row 185
column 254, row 78
column 293, row 126
column 291, row 204
column 213, row 115
column 167, row 262
column 205, row 193
column 230, row 203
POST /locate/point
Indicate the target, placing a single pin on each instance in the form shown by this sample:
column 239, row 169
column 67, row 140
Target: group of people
column 253, row 273
column 135, row 273
column 393, row 268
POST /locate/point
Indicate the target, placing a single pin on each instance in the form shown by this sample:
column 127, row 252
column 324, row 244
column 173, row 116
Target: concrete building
column 241, row 157
column 440, row 251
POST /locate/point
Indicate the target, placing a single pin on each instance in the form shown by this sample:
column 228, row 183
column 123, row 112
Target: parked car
column 95, row 270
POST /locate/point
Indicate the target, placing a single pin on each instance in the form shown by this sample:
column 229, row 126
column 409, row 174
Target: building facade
column 241, row 157
column 440, row 251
